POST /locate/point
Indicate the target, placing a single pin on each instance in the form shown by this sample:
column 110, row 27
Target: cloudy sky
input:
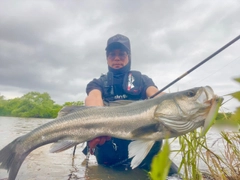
column 58, row 46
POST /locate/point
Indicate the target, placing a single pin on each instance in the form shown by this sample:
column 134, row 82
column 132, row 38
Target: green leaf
column 236, row 117
column 237, row 79
column 161, row 163
column 236, row 95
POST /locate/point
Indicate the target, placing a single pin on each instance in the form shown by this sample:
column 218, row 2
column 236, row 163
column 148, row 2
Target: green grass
column 161, row 163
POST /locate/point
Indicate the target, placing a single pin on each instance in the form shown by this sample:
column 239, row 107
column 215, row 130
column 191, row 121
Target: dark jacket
column 115, row 151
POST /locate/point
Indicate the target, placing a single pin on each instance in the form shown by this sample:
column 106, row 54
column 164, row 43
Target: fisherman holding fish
column 146, row 122
column 109, row 129
column 119, row 86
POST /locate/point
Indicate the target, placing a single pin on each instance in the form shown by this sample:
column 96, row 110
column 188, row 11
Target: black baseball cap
column 118, row 42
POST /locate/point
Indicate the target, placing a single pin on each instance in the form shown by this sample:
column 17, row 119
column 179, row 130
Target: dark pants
column 115, row 153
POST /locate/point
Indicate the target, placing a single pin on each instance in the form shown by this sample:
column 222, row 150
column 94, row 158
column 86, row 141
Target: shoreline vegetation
column 32, row 105
column 40, row 105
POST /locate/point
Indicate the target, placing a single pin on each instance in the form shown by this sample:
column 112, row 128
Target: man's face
column 117, row 59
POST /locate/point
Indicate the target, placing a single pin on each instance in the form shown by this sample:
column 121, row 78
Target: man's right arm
column 94, row 98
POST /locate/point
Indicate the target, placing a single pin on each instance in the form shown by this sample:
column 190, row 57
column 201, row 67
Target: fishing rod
column 199, row 64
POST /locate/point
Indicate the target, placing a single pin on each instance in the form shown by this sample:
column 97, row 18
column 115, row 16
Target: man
column 119, row 86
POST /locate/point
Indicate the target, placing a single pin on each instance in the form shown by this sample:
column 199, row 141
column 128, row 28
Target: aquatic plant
column 161, row 163
column 225, row 166
column 190, row 146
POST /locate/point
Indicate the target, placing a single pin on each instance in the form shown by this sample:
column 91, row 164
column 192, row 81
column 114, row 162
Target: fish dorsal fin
column 70, row 109
column 62, row 145
column 146, row 130
column 138, row 150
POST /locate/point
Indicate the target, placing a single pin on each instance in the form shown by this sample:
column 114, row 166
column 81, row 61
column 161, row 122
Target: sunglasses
column 122, row 56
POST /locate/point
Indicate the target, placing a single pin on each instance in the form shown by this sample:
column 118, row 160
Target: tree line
column 37, row 105
column 32, row 104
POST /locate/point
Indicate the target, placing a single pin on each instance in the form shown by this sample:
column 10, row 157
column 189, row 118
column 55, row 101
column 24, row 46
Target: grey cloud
column 58, row 46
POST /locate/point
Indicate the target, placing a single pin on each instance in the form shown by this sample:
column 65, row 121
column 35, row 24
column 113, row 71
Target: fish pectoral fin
column 138, row 150
column 62, row 145
column 145, row 130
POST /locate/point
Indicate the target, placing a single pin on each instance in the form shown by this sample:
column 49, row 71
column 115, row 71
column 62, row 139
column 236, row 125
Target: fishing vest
column 127, row 87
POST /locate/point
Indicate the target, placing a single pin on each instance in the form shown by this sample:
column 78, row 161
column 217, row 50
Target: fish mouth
column 207, row 96
column 212, row 102
column 212, row 113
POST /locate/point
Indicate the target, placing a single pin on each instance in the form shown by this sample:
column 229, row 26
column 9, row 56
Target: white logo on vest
column 130, row 82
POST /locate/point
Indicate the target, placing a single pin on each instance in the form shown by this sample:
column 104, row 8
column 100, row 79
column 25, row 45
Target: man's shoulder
column 145, row 77
column 140, row 73
column 96, row 83
column 147, row 81
column 103, row 76
column 98, row 80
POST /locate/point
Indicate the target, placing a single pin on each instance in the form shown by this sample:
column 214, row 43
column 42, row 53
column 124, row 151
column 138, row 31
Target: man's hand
column 97, row 141
column 94, row 98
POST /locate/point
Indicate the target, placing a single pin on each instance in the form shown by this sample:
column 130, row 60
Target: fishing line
column 216, row 71
column 198, row 65
column 225, row 101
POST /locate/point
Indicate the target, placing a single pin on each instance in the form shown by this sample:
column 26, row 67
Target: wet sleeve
column 94, row 84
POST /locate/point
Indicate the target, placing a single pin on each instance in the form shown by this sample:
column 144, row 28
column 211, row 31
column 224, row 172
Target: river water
column 42, row 165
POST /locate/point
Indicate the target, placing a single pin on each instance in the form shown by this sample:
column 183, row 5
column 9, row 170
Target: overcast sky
column 58, row 46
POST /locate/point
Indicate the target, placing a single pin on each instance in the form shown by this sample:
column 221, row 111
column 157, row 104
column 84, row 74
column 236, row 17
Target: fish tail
column 12, row 157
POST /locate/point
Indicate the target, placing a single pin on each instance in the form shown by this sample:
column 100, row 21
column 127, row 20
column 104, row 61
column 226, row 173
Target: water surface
column 42, row 165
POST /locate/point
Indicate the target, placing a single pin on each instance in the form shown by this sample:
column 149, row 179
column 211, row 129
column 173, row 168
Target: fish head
column 185, row 111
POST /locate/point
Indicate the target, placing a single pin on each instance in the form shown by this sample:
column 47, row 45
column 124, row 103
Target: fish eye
column 191, row 93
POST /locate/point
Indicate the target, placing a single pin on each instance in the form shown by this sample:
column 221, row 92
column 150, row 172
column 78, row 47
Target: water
column 42, row 165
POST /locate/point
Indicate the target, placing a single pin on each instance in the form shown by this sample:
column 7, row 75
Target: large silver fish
column 146, row 121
